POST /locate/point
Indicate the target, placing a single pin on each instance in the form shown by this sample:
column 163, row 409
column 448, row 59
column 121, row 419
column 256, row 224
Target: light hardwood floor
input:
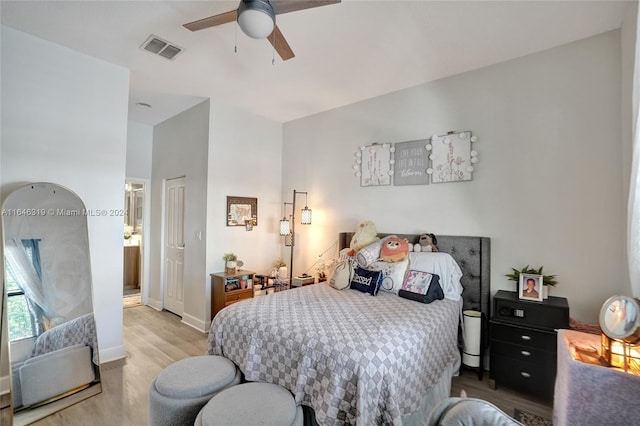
column 153, row 340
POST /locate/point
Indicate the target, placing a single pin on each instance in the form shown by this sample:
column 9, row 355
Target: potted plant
column 548, row 280
column 230, row 265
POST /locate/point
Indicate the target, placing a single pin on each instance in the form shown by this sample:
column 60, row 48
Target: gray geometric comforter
column 81, row 330
column 356, row 359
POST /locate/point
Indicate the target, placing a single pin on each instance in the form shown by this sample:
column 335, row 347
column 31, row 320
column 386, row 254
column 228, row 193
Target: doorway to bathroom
column 135, row 229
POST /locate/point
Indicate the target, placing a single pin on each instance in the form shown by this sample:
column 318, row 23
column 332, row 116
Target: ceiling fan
column 257, row 19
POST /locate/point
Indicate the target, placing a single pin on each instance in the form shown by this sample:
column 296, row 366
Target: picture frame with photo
column 240, row 210
column 530, row 287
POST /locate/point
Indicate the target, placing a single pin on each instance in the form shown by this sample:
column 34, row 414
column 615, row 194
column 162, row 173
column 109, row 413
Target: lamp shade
column 306, row 216
column 256, row 18
column 285, row 227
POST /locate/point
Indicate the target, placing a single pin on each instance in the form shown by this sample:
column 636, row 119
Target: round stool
column 183, row 388
column 255, row 403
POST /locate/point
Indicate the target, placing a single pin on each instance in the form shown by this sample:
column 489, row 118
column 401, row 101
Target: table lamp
column 620, row 339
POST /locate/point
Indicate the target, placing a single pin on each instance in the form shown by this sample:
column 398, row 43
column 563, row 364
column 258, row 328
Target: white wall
column 139, row 148
column 548, row 187
column 245, row 159
column 64, row 120
column 222, row 151
column 4, row 331
column 628, row 33
column 180, row 147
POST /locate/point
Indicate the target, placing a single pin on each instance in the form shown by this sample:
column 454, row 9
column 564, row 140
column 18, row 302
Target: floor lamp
column 288, row 226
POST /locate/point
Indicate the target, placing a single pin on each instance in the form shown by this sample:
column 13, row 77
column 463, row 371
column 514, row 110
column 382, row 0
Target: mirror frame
column 38, row 411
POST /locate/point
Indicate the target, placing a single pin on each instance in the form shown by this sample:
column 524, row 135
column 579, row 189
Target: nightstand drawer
column 537, row 339
column 552, row 314
column 523, row 353
column 236, row 296
column 537, row 379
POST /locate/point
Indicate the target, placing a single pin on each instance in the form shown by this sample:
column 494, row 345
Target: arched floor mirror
column 52, row 341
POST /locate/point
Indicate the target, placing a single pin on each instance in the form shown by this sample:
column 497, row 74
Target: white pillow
column 393, row 273
column 369, row 254
column 341, row 277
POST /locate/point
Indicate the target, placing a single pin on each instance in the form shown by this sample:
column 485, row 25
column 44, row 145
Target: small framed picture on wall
column 530, row 287
column 240, row 210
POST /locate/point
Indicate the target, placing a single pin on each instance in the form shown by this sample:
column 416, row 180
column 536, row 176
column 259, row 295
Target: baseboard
column 155, row 304
column 5, row 384
column 194, row 322
column 112, row 354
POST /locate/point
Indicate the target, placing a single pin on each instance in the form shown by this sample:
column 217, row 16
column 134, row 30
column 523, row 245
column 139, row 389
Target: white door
column 174, row 246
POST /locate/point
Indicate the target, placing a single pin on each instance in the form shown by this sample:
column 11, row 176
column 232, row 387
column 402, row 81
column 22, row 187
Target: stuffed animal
column 366, row 234
column 426, row 243
column 394, row 249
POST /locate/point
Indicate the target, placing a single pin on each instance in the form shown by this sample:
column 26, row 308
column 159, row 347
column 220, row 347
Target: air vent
column 158, row 46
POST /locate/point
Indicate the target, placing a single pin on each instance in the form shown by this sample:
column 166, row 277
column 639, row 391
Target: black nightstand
column 523, row 342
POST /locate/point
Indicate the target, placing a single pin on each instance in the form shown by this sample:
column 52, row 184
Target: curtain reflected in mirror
column 52, row 341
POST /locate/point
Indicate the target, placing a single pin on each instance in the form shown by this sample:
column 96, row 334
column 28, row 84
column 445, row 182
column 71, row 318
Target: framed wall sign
column 241, row 210
column 376, row 164
column 411, row 163
column 451, row 157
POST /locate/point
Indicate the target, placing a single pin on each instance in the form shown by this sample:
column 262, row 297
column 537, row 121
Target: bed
column 354, row 358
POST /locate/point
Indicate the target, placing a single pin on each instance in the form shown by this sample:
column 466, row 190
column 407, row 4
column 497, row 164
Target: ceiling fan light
column 256, row 18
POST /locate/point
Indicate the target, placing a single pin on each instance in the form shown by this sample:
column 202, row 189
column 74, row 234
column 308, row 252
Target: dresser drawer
column 534, row 378
column 523, row 353
column 552, row 314
column 537, row 339
column 236, row 296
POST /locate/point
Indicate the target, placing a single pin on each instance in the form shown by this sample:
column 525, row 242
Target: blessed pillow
column 422, row 287
column 366, row 281
column 393, row 274
column 341, row 277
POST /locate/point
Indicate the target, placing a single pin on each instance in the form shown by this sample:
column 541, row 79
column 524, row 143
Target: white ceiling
column 344, row 53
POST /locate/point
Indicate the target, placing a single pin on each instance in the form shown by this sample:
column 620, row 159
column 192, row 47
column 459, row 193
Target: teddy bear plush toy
column 426, row 243
column 366, row 234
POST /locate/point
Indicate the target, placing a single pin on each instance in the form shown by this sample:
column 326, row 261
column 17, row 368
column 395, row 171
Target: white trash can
column 472, row 337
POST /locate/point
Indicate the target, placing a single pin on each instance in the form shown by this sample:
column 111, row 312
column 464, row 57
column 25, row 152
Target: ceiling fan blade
column 212, row 21
column 279, row 43
column 286, row 6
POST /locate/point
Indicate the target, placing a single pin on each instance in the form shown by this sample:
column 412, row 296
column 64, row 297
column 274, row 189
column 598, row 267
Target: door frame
column 146, row 237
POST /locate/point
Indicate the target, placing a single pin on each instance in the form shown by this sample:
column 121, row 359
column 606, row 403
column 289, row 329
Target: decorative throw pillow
column 421, row 287
column 366, row 281
column 369, row 253
column 341, row 277
column 393, row 274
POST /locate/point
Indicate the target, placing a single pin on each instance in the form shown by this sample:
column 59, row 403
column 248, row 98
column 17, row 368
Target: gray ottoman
column 183, row 388
column 261, row 404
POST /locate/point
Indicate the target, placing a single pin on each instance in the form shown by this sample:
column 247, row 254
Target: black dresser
column 523, row 342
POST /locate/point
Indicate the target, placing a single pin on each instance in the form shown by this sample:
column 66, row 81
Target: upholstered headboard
column 473, row 255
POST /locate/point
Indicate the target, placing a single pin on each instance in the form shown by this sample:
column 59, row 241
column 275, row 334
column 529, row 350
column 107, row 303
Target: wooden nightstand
column 227, row 289
column 523, row 342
